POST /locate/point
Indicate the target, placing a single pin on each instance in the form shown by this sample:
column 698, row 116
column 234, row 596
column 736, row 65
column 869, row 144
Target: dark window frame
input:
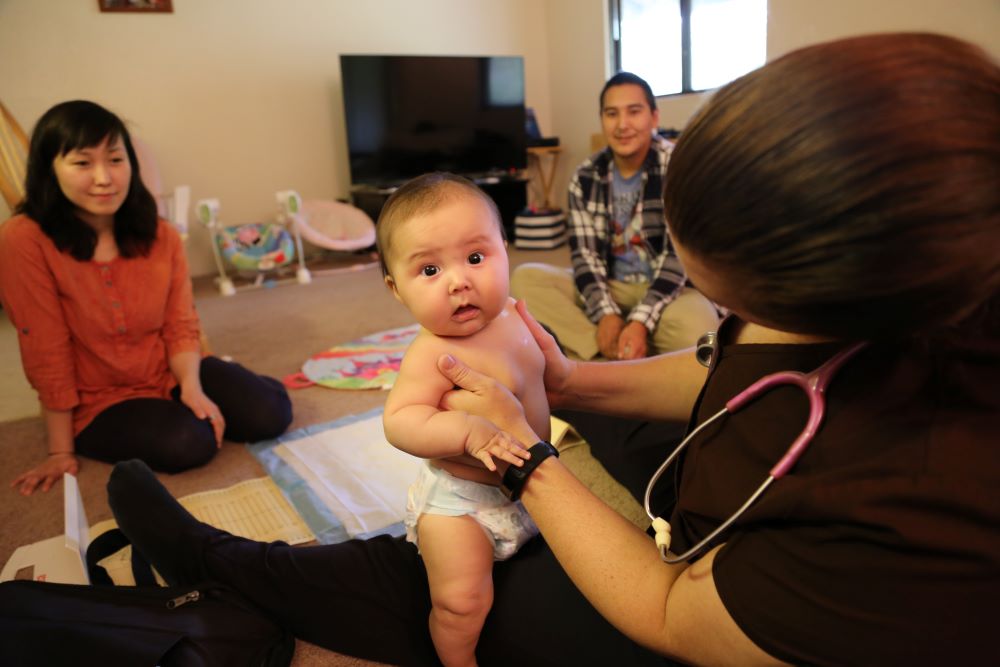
column 614, row 10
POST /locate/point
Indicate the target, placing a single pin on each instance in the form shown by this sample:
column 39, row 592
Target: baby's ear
column 391, row 284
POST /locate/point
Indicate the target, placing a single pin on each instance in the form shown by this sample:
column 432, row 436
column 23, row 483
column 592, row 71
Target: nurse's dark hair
column 69, row 126
column 851, row 188
column 422, row 195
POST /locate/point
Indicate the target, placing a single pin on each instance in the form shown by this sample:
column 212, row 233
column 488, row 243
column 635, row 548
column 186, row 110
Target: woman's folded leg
column 163, row 433
column 256, row 407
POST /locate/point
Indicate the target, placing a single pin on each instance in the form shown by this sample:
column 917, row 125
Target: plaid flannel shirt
column 590, row 212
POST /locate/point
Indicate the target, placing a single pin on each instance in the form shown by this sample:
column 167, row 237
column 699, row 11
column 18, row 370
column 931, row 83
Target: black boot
column 160, row 529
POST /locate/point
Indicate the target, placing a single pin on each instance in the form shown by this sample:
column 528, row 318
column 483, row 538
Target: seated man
column 630, row 296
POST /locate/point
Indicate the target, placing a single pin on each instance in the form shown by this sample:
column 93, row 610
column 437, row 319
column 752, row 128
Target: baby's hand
column 487, row 442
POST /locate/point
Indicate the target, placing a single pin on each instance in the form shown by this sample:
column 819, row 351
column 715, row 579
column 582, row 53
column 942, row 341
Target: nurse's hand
column 483, row 396
column 558, row 368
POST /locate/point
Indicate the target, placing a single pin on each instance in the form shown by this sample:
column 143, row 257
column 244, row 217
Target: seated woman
column 843, row 193
column 98, row 289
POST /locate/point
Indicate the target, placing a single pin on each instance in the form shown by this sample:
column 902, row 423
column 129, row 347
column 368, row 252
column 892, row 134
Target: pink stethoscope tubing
column 814, row 384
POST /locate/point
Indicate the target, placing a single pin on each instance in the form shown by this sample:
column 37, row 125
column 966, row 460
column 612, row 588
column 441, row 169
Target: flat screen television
column 407, row 115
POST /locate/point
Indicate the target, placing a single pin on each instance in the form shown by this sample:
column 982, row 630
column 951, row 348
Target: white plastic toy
column 290, row 205
column 208, row 215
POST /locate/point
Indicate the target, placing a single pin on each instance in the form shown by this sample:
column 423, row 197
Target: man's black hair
column 624, row 78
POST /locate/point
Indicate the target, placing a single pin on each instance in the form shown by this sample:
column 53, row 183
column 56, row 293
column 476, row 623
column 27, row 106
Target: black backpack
column 207, row 624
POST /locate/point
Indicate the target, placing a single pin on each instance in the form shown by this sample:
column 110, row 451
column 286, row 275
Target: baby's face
column 449, row 267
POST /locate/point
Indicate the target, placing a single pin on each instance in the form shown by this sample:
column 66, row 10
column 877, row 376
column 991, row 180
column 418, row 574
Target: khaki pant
column 553, row 300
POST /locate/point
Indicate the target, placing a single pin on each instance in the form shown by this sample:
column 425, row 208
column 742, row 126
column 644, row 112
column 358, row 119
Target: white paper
column 355, row 472
column 77, row 529
column 60, row 559
column 358, row 475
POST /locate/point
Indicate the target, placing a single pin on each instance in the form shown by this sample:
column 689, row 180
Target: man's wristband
column 513, row 480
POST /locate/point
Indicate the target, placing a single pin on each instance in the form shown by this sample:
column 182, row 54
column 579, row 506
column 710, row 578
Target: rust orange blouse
column 93, row 334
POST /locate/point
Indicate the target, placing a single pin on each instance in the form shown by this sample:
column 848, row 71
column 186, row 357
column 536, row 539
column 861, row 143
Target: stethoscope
column 814, row 384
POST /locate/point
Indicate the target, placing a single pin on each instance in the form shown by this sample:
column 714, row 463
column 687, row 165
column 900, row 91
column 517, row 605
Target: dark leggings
column 369, row 598
column 166, row 434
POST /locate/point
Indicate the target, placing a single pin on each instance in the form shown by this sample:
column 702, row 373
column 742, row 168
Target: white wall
column 241, row 98
column 579, row 67
column 796, row 23
column 580, row 62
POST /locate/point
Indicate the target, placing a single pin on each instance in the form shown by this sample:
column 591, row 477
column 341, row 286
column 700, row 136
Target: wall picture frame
column 151, row 6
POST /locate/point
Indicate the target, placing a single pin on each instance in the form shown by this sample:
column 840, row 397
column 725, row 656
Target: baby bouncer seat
column 336, row 229
column 262, row 249
column 258, row 249
column 258, row 246
column 334, row 225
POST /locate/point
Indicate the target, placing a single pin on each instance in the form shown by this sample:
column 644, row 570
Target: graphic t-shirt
column 631, row 257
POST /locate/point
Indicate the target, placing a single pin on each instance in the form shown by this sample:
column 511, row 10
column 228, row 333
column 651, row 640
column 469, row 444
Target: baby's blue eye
column 429, row 270
column 476, row 258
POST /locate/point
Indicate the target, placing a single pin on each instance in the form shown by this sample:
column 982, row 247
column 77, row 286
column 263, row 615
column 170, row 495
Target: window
column 684, row 46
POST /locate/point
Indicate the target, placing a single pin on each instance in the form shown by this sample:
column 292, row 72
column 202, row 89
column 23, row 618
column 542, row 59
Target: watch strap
column 515, row 477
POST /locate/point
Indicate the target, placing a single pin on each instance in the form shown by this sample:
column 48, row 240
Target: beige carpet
column 17, row 400
column 272, row 331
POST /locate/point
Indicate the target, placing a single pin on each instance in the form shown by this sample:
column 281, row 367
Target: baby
column 444, row 257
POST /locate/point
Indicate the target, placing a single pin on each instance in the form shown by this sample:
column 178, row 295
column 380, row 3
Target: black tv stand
column 509, row 191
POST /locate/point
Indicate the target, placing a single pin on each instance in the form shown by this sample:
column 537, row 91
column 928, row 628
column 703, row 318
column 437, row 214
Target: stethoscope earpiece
column 662, row 530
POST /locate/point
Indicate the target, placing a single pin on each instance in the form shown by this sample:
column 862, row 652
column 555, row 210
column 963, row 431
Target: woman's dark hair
column 851, row 189
column 421, row 195
column 69, row 126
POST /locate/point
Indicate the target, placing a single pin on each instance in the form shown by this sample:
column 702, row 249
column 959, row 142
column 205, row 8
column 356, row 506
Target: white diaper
column 436, row 491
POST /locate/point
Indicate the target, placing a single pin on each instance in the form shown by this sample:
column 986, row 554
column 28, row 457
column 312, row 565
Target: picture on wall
column 136, row 5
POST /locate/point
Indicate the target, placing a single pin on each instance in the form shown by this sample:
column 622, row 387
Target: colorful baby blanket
column 371, row 362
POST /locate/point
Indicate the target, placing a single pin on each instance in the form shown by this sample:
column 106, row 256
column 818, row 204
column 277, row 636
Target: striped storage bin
column 540, row 230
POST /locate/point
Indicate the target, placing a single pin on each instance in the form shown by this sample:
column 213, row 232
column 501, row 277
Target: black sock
column 160, row 529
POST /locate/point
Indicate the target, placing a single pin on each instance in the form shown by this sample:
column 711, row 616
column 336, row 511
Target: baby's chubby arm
column 415, row 423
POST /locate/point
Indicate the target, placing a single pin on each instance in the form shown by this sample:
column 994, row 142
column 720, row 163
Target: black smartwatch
column 515, row 476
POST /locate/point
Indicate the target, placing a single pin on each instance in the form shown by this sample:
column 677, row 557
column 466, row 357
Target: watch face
column 514, row 477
